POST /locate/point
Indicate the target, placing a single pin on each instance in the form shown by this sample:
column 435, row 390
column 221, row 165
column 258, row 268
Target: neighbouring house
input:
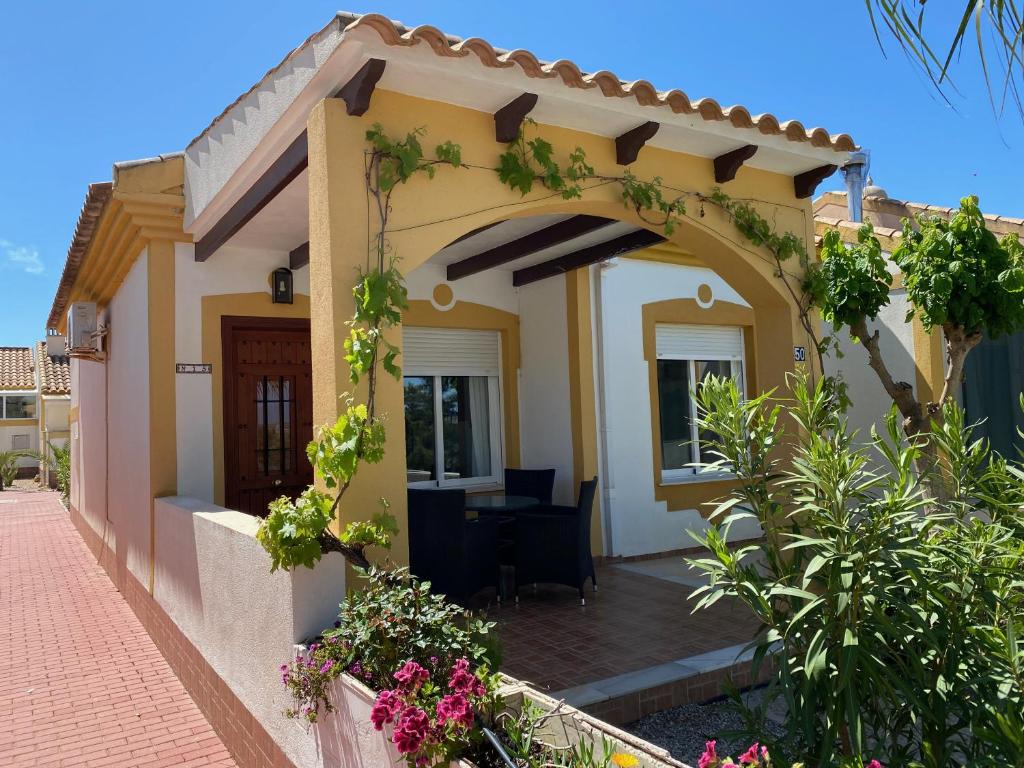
column 994, row 373
column 35, row 398
column 541, row 332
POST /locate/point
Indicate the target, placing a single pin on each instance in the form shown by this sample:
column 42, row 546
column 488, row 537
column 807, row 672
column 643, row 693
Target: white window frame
column 17, row 393
column 495, row 421
column 692, row 473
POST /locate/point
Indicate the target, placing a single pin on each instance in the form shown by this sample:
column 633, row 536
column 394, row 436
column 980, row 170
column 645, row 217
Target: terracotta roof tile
column 54, row 372
column 96, row 200
column 448, row 46
column 16, row 370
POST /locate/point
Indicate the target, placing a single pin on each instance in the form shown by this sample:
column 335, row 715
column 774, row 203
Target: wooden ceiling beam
column 631, row 241
column 727, row 165
column 279, row 175
column 805, row 183
column 509, row 119
column 629, row 144
column 547, row 237
column 298, row 257
column 357, row 91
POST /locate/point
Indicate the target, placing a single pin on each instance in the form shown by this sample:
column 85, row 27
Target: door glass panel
column 420, row 438
column 674, row 413
column 465, row 416
column 274, row 413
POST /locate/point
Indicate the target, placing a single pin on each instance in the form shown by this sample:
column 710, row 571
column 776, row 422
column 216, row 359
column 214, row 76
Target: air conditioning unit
column 82, row 327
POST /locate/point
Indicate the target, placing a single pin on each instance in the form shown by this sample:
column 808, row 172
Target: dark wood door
column 268, row 411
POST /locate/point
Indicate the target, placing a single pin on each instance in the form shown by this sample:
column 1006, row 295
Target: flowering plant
column 431, row 724
column 394, row 619
column 756, row 756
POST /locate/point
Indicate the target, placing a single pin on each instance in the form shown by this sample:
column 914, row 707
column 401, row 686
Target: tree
column 959, row 279
column 999, row 35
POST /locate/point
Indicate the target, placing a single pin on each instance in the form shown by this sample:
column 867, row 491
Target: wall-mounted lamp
column 282, row 285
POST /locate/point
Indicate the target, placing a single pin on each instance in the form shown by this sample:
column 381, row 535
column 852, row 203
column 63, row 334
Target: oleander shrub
column 893, row 619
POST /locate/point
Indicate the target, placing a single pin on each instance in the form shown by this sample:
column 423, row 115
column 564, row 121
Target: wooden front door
column 268, row 410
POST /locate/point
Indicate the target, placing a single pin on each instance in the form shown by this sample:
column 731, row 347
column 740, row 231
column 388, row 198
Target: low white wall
column 213, row 579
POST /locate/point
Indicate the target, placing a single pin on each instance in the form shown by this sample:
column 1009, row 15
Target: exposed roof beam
column 629, row 144
column 805, row 183
column 727, row 165
column 632, row 241
column 279, row 175
column 509, row 118
column 547, row 237
column 299, row 257
column 357, row 91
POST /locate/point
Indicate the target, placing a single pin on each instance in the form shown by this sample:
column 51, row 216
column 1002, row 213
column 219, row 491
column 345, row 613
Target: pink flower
column 385, row 708
column 455, row 707
column 464, row 681
column 412, row 675
column 411, row 730
column 874, row 764
column 710, row 758
column 750, row 756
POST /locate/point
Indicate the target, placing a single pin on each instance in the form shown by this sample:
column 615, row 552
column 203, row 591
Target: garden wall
column 213, row 580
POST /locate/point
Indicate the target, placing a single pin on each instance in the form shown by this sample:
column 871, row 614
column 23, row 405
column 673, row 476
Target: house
column 994, row 372
column 582, row 369
column 34, row 403
column 540, row 332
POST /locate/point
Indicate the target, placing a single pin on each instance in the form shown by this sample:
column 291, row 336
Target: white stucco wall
column 545, row 428
column 232, row 270
column 8, row 434
column 88, row 445
column 896, row 339
column 128, row 420
column 56, row 415
column 639, row 523
column 213, row 578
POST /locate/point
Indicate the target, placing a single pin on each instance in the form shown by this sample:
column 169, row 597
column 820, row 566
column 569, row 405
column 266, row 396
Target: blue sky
column 88, row 84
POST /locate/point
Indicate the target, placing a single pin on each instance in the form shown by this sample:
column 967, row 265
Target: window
column 452, row 407
column 19, row 406
column 687, row 355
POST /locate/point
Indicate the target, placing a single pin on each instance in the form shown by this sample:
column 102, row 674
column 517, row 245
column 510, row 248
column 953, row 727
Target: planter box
column 347, row 738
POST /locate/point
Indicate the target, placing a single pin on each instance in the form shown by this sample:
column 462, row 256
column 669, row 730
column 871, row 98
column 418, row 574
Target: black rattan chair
column 553, row 544
column 459, row 557
column 536, row 483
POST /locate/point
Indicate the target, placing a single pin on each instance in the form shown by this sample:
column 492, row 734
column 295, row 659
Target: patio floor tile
column 81, row 683
column 634, row 622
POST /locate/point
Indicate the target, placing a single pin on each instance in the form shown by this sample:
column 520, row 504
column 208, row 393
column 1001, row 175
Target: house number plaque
column 799, row 354
column 193, row 368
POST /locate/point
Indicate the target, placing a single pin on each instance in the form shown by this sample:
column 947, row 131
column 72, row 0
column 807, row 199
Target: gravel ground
column 683, row 730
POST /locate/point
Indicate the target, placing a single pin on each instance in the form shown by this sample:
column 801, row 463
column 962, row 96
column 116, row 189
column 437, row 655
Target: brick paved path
column 81, row 683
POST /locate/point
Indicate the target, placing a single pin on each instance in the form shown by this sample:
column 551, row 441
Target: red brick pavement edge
column 81, row 681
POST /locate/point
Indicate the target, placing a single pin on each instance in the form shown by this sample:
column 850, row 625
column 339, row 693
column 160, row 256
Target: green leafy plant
column 298, row 532
column 9, row 465
column 891, row 618
column 60, row 462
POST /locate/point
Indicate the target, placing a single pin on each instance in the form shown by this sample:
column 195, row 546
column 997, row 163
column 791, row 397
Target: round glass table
column 499, row 503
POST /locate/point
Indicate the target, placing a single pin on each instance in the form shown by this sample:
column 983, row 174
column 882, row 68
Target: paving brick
column 81, row 682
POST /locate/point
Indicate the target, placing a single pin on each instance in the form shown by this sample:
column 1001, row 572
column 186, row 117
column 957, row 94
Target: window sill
column 710, row 477
column 487, row 488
